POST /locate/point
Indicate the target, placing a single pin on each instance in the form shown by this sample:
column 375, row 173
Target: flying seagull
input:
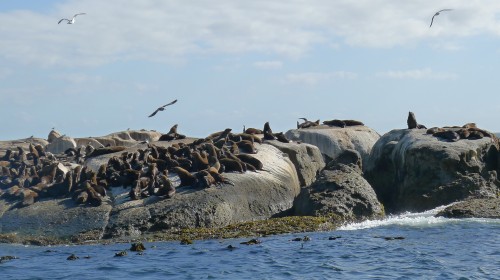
column 162, row 108
column 437, row 14
column 72, row 19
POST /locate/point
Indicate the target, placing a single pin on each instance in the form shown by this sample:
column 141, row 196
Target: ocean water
column 409, row 246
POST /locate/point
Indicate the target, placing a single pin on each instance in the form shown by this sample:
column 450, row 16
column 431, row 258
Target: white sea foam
column 426, row 218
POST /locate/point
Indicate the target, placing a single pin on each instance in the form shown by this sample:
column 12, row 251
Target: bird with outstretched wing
column 437, row 14
column 161, row 108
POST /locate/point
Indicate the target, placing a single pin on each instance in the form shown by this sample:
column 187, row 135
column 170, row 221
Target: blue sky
column 234, row 63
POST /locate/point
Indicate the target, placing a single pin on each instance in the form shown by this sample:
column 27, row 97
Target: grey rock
column 53, row 134
column 332, row 141
column 307, row 159
column 341, row 191
column 473, row 208
column 414, row 171
column 61, row 144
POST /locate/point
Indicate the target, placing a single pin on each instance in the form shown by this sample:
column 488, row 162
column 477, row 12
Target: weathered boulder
column 253, row 196
column 61, row 144
column 53, row 134
column 340, row 190
column 126, row 138
column 249, row 196
column 55, row 218
column 307, row 159
column 473, row 208
column 414, row 171
column 332, row 141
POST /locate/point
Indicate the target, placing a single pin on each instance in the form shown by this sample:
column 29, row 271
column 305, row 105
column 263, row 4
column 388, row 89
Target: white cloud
column 274, row 64
column 313, row 78
column 167, row 31
column 418, row 74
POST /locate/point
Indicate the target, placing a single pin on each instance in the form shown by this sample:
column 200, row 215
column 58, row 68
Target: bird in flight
column 72, row 19
column 437, row 14
column 161, row 108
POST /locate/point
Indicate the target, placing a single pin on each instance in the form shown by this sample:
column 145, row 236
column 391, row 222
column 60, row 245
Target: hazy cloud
column 274, row 64
column 313, row 78
column 169, row 30
column 418, row 74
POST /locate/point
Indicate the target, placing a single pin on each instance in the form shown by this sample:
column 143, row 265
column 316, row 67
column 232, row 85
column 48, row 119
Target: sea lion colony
column 452, row 133
column 28, row 176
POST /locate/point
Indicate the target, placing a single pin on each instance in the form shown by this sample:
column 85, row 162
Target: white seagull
column 72, row 19
column 437, row 14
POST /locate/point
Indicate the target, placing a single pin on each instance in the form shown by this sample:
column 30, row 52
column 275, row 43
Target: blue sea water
column 432, row 248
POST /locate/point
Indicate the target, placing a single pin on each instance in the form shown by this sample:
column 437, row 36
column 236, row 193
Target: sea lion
column 166, row 187
column 433, row 130
column 106, row 150
column 469, row 125
column 411, row 121
column 231, row 165
column 307, row 123
column 200, row 160
column 448, row 135
column 464, row 133
column 267, row 129
column 256, row 163
column 187, row 179
column 338, row 123
column 246, row 146
column 280, row 136
column 251, row 130
column 352, row 122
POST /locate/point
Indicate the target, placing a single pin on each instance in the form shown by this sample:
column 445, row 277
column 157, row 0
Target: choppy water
column 432, row 248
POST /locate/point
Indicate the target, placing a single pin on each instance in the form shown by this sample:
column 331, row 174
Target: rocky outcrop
column 248, row 196
column 61, row 144
column 307, row 159
column 473, row 208
column 414, row 171
column 332, row 141
column 126, row 138
column 23, row 143
column 340, row 189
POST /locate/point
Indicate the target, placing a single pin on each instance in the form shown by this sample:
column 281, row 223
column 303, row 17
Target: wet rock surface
column 411, row 170
column 473, row 208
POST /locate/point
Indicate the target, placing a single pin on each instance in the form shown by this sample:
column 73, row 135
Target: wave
column 409, row 219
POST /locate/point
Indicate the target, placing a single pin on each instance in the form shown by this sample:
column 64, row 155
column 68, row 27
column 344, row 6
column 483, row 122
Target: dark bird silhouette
column 437, row 14
column 72, row 20
column 162, row 108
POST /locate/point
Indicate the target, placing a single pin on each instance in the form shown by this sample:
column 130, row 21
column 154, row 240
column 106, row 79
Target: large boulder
column 60, row 145
column 307, row 159
column 340, row 190
column 253, row 196
column 126, row 138
column 414, row 171
column 249, row 196
column 56, row 218
column 473, row 208
column 332, row 141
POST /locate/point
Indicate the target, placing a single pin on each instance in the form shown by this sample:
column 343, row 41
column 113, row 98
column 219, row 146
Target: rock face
column 332, row 141
column 126, row 138
column 61, row 144
column 307, row 159
column 341, row 190
column 414, row 171
column 473, row 208
column 250, row 196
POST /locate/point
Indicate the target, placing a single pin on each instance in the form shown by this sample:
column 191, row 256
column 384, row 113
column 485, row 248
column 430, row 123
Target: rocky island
column 149, row 185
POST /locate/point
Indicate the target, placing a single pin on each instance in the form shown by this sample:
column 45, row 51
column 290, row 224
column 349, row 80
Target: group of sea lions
column 27, row 176
column 334, row 122
column 451, row 133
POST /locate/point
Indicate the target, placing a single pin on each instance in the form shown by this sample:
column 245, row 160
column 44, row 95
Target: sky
column 231, row 63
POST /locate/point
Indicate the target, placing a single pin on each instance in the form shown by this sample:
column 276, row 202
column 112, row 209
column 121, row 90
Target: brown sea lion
column 256, row 163
column 231, row 165
column 411, row 121
column 433, row 130
column 106, row 150
column 267, row 129
column 352, row 122
column 280, row 136
column 187, row 179
column 252, row 130
column 338, row 123
column 469, row 125
column 448, row 135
